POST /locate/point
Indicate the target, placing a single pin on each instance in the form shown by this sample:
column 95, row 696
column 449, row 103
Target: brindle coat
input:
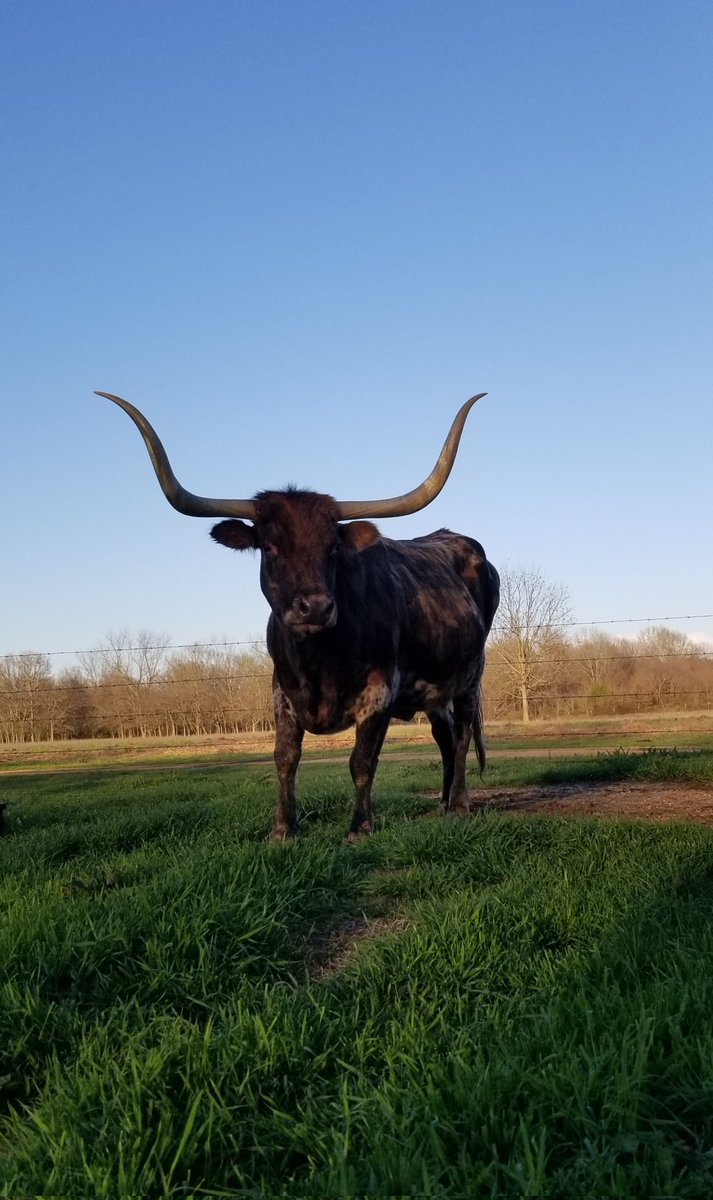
column 363, row 629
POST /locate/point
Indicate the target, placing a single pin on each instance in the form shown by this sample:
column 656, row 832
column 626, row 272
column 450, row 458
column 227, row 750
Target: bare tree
column 125, row 670
column 27, row 698
column 256, row 690
column 663, row 653
column 211, row 689
column 527, row 645
column 77, row 713
column 595, row 655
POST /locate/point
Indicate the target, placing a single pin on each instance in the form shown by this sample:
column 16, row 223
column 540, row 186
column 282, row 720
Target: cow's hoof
column 456, row 811
column 355, row 835
column 282, row 835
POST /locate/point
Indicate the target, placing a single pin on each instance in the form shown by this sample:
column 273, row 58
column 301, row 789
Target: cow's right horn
column 185, row 502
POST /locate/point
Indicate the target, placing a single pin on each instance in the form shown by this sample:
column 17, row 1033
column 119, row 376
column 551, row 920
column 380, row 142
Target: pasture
column 509, row 1005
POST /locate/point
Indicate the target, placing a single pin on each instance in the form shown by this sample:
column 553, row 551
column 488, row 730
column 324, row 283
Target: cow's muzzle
column 311, row 613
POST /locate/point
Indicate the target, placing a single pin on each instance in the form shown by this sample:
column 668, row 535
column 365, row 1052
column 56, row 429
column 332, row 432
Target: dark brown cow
column 362, row 628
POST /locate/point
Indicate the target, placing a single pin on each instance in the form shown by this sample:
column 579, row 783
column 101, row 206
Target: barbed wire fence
column 115, row 700
column 212, row 645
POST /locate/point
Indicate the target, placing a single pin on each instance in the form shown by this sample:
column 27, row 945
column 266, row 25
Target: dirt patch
column 626, row 801
column 332, row 952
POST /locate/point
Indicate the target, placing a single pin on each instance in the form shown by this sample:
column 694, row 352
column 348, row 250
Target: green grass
column 527, row 1013
column 677, row 739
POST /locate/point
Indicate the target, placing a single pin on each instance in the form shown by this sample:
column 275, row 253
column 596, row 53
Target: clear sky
column 298, row 235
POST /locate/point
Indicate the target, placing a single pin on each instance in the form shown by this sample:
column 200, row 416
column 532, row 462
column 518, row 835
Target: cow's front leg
column 373, row 714
column 362, row 764
column 289, row 733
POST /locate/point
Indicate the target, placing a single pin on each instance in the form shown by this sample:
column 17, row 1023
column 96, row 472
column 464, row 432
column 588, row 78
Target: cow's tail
column 478, row 735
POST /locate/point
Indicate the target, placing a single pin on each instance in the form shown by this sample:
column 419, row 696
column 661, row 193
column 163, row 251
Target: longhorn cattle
column 362, row 628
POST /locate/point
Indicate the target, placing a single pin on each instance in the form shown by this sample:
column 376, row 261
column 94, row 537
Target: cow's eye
column 270, row 549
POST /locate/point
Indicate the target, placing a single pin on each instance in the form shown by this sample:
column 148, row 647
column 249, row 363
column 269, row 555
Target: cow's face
column 300, row 542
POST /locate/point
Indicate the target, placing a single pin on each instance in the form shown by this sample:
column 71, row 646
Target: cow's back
column 448, row 594
column 437, row 566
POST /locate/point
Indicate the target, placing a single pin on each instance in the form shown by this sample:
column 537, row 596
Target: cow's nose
column 317, row 607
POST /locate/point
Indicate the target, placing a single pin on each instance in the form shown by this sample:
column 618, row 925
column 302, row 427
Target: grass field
column 499, row 1006
column 670, row 730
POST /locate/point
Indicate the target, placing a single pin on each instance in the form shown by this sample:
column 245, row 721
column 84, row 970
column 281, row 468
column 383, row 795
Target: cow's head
column 300, row 541
column 298, row 534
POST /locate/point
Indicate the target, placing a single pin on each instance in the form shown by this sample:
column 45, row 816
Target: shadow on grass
column 653, row 766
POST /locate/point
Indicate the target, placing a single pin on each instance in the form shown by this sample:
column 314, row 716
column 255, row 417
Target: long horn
column 185, row 502
column 419, row 497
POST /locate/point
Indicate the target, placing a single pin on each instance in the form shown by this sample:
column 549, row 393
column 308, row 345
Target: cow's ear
column 235, row 534
column 357, row 535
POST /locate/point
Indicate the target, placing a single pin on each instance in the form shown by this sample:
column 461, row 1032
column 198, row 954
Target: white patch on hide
column 377, row 696
column 283, row 707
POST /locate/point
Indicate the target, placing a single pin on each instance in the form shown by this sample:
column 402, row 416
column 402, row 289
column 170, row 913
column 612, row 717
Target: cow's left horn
column 185, row 502
column 419, row 497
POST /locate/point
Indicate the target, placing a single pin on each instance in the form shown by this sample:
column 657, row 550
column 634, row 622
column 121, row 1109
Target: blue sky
column 298, row 236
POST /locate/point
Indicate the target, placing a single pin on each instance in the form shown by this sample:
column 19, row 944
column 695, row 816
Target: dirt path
column 309, row 759
column 625, row 800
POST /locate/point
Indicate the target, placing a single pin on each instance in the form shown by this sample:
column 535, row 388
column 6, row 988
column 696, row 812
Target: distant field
column 682, row 730
column 501, row 1006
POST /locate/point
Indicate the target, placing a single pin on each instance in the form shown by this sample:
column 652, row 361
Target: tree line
column 538, row 667
column 137, row 686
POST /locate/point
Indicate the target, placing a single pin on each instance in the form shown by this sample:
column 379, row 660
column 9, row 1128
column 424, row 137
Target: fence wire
column 168, row 648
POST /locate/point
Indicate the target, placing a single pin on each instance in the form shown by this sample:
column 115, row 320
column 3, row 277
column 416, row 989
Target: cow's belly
column 326, row 722
column 420, row 699
column 418, row 694
column 325, row 713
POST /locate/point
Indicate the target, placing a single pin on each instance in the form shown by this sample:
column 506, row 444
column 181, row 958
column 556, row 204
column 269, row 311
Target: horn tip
column 110, row 396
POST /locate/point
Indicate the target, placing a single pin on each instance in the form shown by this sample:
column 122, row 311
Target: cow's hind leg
column 442, row 730
column 288, row 751
column 464, row 710
column 478, row 735
column 478, row 717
